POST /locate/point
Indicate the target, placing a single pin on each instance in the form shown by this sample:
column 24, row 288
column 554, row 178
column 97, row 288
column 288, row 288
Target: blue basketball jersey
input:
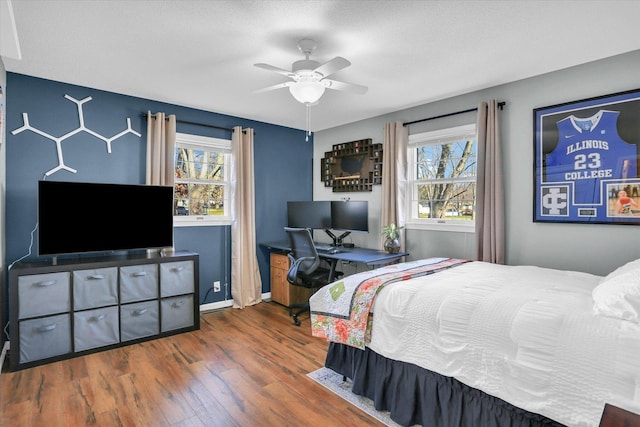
column 588, row 151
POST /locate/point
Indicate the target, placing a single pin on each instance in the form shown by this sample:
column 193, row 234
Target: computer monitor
column 315, row 215
column 350, row 215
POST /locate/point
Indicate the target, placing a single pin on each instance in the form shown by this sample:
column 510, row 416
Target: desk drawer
column 280, row 261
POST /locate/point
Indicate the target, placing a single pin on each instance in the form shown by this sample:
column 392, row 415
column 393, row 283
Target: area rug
column 334, row 382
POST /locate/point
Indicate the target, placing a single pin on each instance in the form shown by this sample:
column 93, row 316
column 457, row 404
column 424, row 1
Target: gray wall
column 596, row 249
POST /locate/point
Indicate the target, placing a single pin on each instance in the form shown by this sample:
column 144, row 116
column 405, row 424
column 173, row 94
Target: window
column 442, row 179
column 202, row 177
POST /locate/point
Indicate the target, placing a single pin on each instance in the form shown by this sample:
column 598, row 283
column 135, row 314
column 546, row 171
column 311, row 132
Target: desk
column 371, row 257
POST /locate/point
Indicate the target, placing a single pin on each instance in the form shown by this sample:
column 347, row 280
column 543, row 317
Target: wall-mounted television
column 81, row 217
column 315, row 215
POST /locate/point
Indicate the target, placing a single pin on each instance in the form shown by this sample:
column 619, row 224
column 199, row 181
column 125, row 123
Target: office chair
column 305, row 269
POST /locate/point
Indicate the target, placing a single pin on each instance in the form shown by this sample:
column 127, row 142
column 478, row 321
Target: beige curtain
column 246, row 286
column 490, row 187
column 161, row 143
column 394, row 177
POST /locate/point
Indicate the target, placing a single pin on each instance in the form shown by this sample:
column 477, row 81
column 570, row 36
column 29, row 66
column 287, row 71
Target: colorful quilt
column 341, row 311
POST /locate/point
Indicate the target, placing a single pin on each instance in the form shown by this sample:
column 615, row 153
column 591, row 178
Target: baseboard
column 215, row 306
column 227, row 303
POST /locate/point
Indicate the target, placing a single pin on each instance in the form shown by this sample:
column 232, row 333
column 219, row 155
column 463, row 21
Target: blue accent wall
column 283, row 166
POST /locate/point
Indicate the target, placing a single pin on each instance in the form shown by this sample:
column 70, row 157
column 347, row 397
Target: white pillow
column 618, row 294
column 630, row 266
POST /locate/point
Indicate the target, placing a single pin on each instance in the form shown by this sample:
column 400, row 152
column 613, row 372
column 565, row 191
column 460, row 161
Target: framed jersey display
column 586, row 160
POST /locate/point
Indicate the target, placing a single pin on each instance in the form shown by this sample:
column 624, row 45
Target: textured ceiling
column 200, row 54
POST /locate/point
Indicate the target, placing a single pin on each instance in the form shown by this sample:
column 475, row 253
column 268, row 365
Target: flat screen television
column 315, row 215
column 81, row 217
column 350, row 215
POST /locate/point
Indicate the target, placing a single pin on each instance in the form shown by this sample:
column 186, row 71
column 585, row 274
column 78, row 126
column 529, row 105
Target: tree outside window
column 201, row 178
column 443, row 177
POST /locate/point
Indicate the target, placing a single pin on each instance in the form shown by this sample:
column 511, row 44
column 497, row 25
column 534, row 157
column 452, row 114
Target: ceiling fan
column 309, row 78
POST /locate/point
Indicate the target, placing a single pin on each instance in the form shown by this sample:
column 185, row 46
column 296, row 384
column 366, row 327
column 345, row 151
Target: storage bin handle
column 47, row 328
column 95, row 277
column 177, row 269
column 97, row 318
column 140, row 312
column 44, row 284
column 139, row 273
column 177, row 304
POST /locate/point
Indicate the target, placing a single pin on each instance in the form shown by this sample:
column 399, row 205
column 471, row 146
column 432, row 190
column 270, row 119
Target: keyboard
column 331, row 251
column 327, row 249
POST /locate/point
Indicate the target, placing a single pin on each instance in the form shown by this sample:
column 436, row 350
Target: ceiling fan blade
column 276, row 69
column 278, row 86
column 332, row 66
column 343, row 86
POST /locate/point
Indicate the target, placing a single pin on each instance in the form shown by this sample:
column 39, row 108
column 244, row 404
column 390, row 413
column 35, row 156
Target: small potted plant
column 391, row 233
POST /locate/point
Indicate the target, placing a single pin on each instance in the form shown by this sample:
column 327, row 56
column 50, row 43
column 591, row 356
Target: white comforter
column 524, row 334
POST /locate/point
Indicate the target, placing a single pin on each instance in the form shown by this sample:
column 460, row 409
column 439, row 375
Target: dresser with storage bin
column 83, row 305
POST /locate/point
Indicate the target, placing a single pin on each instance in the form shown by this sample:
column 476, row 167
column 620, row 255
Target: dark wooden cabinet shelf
column 84, row 305
column 352, row 166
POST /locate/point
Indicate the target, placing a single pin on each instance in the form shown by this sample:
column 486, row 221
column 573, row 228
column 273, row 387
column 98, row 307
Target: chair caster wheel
column 296, row 321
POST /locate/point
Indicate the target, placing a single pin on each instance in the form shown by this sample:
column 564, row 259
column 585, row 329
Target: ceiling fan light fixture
column 307, row 91
column 309, row 78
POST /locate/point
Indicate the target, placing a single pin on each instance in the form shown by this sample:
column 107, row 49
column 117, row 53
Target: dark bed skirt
column 414, row 395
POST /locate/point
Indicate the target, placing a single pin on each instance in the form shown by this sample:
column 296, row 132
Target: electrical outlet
column 216, row 286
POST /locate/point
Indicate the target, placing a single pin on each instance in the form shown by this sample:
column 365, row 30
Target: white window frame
column 184, row 140
column 437, row 137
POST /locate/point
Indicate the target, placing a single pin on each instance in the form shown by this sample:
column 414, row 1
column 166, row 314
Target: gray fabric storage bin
column 176, row 278
column 176, row 313
column 45, row 337
column 138, row 282
column 42, row 294
column 95, row 288
column 139, row 320
column 95, row 328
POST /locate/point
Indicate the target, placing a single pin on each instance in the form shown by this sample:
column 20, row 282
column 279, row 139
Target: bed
column 450, row 342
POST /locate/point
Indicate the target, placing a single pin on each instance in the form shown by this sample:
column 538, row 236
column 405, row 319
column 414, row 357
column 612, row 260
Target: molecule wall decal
column 82, row 127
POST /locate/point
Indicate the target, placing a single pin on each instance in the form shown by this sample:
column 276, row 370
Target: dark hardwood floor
column 242, row 368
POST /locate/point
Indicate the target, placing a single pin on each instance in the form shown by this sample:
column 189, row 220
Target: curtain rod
column 192, row 123
column 500, row 106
